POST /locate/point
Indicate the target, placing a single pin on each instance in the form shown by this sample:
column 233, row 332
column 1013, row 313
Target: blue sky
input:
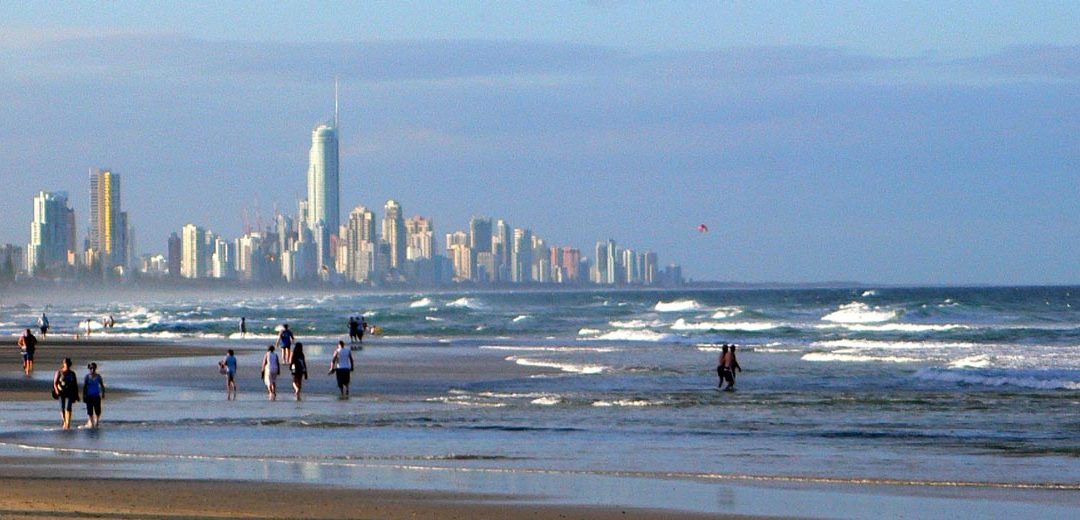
column 915, row 142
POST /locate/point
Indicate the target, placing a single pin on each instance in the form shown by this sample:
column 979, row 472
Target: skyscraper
column 194, row 259
column 52, row 233
column 394, row 234
column 108, row 224
column 322, row 178
column 360, row 243
column 521, row 256
column 420, row 238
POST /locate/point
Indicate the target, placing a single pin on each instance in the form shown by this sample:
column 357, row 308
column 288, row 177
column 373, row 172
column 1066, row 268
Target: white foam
column 1025, row 379
column 750, row 326
column 627, row 402
column 842, row 357
column 979, row 361
column 633, row 335
column 463, row 303
column 422, row 302
column 893, row 345
column 433, row 318
column 676, row 306
column 546, row 400
column 636, row 324
column 857, row 312
column 521, row 318
column 897, row 327
column 726, row 312
column 565, row 367
column 588, row 332
column 867, row 294
column 548, row 349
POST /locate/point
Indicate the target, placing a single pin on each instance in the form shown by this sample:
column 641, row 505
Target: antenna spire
column 335, row 102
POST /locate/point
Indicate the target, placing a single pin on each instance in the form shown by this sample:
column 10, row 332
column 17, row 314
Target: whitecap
column 521, row 318
column 548, row 349
column 422, row 302
column 869, row 293
column 858, row 312
column 879, row 344
column 565, row 367
column 433, row 318
column 749, row 326
column 979, row 361
column 1036, row 379
column 546, row 400
column 627, row 402
column 463, row 303
column 842, row 357
column 677, row 306
column 727, row 312
column 588, row 332
column 636, row 324
column 633, row 335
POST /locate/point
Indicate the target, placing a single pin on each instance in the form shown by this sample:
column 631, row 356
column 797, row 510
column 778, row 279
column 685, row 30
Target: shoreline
column 37, row 497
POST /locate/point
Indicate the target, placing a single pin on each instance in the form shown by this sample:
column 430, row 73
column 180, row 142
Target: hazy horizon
column 908, row 144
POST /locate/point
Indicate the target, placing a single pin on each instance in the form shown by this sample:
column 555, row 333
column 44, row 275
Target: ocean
column 557, row 393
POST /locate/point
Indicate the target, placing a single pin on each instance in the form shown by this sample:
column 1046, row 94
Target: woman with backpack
column 66, row 389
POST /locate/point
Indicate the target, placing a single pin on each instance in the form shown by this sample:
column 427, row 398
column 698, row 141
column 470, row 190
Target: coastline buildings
column 52, row 235
column 109, row 227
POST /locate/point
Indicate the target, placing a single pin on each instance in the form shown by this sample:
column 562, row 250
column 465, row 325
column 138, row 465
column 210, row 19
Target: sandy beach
column 33, row 489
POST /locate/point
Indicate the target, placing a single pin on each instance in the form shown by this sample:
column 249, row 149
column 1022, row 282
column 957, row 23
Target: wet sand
column 50, row 497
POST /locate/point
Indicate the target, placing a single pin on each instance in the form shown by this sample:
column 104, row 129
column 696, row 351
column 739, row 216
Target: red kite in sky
column 702, row 228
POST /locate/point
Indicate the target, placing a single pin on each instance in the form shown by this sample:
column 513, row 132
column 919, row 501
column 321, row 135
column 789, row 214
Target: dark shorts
column 230, row 376
column 93, row 405
column 66, row 403
column 44, row 330
column 28, row 355
column 343, row 376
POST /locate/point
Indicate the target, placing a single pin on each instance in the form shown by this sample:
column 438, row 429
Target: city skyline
column 940, row 150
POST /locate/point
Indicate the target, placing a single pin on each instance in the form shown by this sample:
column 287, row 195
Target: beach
column 851, row 404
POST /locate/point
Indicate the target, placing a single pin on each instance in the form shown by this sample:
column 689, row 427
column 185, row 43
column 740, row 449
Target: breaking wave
column 857, row 312
column 677, row 306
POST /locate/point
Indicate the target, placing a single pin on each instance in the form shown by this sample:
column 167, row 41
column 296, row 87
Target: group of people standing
column 292, row 355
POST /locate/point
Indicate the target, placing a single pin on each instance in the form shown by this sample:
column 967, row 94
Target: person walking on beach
column 93, row 393
column 720, row 367
column 229, row 365
column 362, row 328
column 298, row 368
column 66, row 389
column 271, row 367
column 342, row 366
column 243, row 327
column 353, row 325
column 730, row 365
column 27, row 345
column 43, row 325
column 285, row 340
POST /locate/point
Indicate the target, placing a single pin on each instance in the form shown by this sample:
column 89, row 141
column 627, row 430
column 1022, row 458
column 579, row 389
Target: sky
column 883, row 142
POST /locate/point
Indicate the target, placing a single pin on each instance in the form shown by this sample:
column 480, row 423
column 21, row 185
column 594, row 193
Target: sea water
column 969, row 387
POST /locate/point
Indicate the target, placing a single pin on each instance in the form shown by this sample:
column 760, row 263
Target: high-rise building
column 322, row 181
column 394, row 233
column 360, row 241
column 420, row 238
column 650, row 268
column 52, row 233
column 176, row 254
column 500, row 248
column 600, row 268
column 480, row 239
column 613, row 266
column 194, row 258
column 521, row 257
column 108, row 224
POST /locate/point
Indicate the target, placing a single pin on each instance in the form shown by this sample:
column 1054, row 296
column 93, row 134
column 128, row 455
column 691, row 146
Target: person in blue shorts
column 93, row 393
column 228, row 366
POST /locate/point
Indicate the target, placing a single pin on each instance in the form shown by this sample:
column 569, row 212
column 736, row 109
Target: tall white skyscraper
column 323, row 186
column 193, row 260
column 52, row 233
column 394, row 233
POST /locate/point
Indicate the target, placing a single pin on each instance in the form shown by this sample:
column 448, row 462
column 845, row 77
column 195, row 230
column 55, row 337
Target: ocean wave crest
column 858, row 312
column 677, row 306
column 1035, row 379
column 749, row 326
